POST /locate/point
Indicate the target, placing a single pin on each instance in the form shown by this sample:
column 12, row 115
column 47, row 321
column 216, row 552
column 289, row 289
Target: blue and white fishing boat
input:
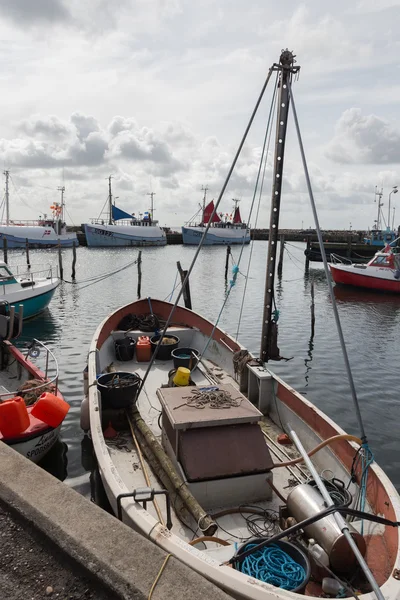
column 377, row 236
column 33, row 290
column 123, row 229
column 42, row 233
column 224, row 230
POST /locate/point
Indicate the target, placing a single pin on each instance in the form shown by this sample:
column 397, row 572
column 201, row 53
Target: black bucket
column 185, row 357
column 296, row 553
column 118, row 390
column 164, row 351
column 125, row 348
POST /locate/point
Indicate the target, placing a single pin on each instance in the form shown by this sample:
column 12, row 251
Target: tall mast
column 287, row 69
column 205, row 189
column 379, row 194
column 151, row 194
column 110, row 220
column 62, row 190
column 7, row 174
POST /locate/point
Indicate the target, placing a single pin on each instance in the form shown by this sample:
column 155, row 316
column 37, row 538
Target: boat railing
column 137, row 222
column 336, row 259
column 31, row 223
column 51, row 369
column 45, row 272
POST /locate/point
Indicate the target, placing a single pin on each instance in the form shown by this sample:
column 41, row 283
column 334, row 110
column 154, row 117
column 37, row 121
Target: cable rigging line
column 206, row 229
column 269, row 127
column 327, row 273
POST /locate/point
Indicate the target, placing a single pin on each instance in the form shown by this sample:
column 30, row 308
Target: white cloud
column 364, row 139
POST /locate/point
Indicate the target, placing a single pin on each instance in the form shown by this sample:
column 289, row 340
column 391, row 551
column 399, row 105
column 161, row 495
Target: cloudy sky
column 158, row 93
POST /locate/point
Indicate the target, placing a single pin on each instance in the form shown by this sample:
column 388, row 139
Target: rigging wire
column 206, row 229
column 259, row 200
column 327, row 273
column 18, row 194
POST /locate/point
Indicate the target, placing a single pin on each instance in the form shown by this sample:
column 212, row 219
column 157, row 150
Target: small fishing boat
column 225, row 229
column 381, row 273
column 41, row 233
column 123, row 229
column 377, row 236
column 199, row 444
column 33, row 289
column 22, row 382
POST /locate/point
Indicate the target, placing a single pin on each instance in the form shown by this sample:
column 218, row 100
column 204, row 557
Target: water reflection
column 56, row 462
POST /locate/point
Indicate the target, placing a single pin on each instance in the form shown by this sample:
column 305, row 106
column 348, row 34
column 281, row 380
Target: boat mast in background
column 151, row 194
column 378, row 194
column 205, row 189
column 110, row 220
column 7, row 174
column 269, row 349
column 62, row 216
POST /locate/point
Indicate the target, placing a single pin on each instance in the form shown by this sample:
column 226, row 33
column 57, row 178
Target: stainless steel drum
column 305, row 501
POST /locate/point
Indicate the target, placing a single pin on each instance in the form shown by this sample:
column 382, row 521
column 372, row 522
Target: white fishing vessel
column 187, row 429
column 123, row 229
column 224, row 229
column 44, row 232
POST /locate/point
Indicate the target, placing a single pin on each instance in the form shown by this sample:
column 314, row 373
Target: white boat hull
column 216, row 236
column 38, row 237
column 124, row 235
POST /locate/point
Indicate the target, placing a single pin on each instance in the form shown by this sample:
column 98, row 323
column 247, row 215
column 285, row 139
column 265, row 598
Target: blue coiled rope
column 273, row 565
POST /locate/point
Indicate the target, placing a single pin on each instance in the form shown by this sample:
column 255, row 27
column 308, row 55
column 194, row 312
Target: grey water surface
column 371, row 324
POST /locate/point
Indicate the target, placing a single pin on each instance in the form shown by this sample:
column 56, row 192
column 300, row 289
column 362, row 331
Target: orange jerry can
column 50, row 409
column 143, row 349
column 14, row 417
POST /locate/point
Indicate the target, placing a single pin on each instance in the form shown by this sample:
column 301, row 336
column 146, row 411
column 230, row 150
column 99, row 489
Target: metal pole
column 110, row 221
column 338, row 517
column 7, row 174
column 328, row 276
column 287, row 69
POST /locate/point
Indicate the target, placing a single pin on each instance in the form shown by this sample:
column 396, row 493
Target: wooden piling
column 28, row 262
column 73, row 261
column 139, row 270
column 60, row 265
column 5, row 252
column 186, row 288
column 307, row 252
column 228, row 252
column 312, row 309
column 349, row 247
column 281, row 250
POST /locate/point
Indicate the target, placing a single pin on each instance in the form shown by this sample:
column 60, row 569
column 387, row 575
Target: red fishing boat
column 381, row 273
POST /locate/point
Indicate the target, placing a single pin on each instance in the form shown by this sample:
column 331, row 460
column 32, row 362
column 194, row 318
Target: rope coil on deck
column 210, row 398
column 273, row 565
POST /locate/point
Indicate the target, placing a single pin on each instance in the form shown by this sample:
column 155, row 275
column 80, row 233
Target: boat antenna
column 205, row 189
column 7, row 175
column 62, row 190
column 110, row 219
column 286, row 70
column 207, row 227
column 151, row 194
column 327, row 274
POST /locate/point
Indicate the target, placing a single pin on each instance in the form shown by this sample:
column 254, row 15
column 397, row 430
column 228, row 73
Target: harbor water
column 371, row 324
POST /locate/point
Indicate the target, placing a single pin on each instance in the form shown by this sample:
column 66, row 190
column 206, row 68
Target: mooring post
column 307, row 252
column 228, row 252
column 5, row 244
column 186, row 289
column 60, row 265
column 312, row 309
column 139, row 272
column 282, row 248
column 28, row 262
column 73, row 260
column 349, row 247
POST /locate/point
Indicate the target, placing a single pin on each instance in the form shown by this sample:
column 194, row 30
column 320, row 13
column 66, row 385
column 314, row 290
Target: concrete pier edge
column 106, row 549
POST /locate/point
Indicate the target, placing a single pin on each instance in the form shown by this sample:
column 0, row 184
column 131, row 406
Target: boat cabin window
column 382, row 260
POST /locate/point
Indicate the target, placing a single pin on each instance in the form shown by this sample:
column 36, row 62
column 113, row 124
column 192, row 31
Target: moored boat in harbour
column 381, row 273
column 121, row 229
column 186, row 453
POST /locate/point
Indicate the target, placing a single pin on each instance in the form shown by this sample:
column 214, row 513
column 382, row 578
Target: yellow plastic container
column 182, row 376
